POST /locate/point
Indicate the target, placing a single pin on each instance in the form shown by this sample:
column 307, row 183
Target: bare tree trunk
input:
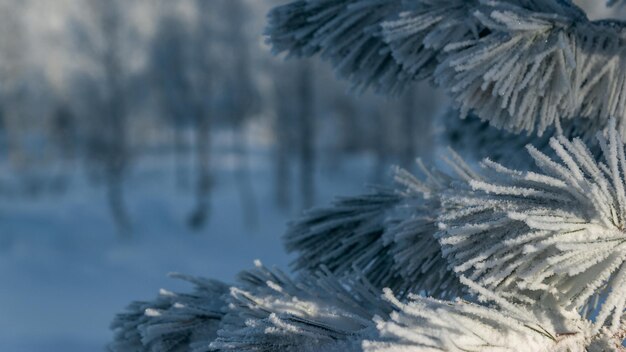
column 180, row 156
column 306, row 136
column 243, row 89
column 242, row 175
column 117, row 153
column 117, row 161
column 282, row 128
column 200, row 214
column 115, row 196
column 202, row 85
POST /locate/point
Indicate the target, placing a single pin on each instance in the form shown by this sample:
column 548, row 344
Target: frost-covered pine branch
column 525, row 65
column 559, row 230
column 543, row 253
column 539, row 64
column 265, row 311
column 524, row 260
column 268, row 311
column 316, row 311
column 426, row 324
column 345, row 32
column 172, row 322
column 387, row 235
column 348, row 234
column 418, row 34
column 322, row 313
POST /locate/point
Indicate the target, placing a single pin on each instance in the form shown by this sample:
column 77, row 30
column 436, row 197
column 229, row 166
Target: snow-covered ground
column 65, row 272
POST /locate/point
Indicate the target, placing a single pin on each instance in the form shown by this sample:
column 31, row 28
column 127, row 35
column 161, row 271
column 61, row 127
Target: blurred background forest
column 140, row 137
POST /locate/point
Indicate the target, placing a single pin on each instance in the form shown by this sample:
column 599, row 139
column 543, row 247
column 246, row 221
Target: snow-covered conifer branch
column 426, row 324
column 419, row 34
column 537, row 67
column 346, row 32
column 525, row 65
column 347, row 235
column 268, row 311
column 386, row 235
column 547, row 245
column 315, row 312
column 172, row 322
column 265, row 311
column 409, row 233
column 321, row 312
column 559, row 230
